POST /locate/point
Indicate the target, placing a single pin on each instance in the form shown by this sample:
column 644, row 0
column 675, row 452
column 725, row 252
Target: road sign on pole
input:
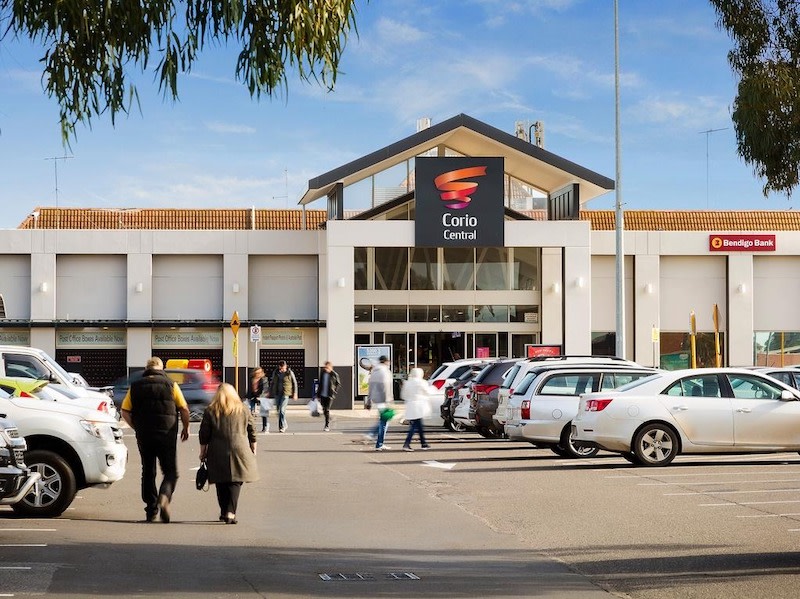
column 255, row 333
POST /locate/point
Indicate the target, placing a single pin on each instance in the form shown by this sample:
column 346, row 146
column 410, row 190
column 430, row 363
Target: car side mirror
column 787, row 395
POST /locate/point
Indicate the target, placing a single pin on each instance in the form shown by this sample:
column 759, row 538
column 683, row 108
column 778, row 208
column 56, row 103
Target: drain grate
column 367, row 576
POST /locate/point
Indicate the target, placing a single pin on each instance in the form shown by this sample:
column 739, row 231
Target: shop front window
column 424, row 313
column 486, row 345
column 526, row 268
column 491, row 268
column 604, row 344
column 776, row 348
column 390, row 314
column 362, row 314
column 360, row 268
column 491, row 313
column 676, row 350
column 529, row 314
column 458, row 270
column 456, row 313
column 391, row 269
column 424, row 268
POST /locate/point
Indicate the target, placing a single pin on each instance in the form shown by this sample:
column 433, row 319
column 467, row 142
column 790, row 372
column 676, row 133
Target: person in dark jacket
column 326, row 391
column 255, row 396
column 228, row 446
column 151, row 407
column 283, row 387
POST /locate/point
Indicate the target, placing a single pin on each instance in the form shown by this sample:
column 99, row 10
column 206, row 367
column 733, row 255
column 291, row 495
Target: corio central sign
column 459, row 202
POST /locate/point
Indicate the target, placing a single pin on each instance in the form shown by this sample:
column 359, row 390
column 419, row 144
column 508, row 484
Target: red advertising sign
column 533, row 350
column 741, row 243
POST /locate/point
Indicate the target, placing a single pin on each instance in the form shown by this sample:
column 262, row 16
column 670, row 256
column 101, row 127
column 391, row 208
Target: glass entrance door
column 432, row 349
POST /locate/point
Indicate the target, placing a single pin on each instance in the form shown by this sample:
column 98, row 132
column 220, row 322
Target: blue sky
column 499, row 61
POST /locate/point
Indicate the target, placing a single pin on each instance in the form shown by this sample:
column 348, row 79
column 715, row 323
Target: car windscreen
column 525, row 383
column 510, row 376
column 437, row 372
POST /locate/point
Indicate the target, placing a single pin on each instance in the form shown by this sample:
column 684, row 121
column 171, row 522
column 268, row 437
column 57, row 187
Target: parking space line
column 769, row 515
column 28, row 529
column 727, row 503
column 734, row 492
column 687, row 474
column 722, row 482
column 23, row 544
column 16, row 567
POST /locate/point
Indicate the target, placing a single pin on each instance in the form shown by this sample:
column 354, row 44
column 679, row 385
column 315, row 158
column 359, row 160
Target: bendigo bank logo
column 454, row 192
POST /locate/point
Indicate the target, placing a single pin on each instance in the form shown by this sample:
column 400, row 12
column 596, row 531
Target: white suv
column 520, row 369
column 443, row 376
column 34, row 363
column 546, row 400
column 69, row 446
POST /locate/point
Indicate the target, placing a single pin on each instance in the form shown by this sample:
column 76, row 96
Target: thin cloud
column 229, row 128
column 681, row 112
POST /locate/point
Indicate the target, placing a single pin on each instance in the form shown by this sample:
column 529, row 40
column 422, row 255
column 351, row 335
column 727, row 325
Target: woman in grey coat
column 228, row 445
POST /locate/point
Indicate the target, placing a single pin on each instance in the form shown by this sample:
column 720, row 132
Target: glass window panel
column 676, row 353
column 358, row 196
column 529, row 314
column 390, row 314
column 491, row 268
column 424, row 268
column 391, row 268
column 423, row 313
column 458, row 270
column 491, row 313
column 526, row 268
column 456, row 313
column 750, row 387
column 502, row 344
column 360, row 268
column 604, row 344
column 485, row 345
column 391, row 183
column 363, row 314
column 518, row 343
column 776, row 348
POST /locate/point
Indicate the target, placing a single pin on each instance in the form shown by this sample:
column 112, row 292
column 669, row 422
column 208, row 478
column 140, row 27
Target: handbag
column 387, row 414
column 201, row 478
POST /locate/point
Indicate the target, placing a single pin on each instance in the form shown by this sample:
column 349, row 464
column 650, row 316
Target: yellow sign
column 654, row 335
column 235, row 323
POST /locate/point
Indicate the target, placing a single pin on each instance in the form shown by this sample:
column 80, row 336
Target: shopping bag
column 314, row 407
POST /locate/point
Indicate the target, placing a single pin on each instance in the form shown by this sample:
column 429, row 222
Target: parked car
column 34, row 363
column 78, row 379
column 520, row 369
column 460, row 408
column 788, row 376
column 16, row 479
column 69, row 446
column 444, row 375
column 451, row 392
column 25, row 387
column 546, row 400
column 713, row 410
column 485, row 389
column 198, row 388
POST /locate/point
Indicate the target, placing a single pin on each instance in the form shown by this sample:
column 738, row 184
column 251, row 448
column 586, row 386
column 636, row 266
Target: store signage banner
column 187, row 339
column 281, row 337
column 459, row 202
column 91, row 339
column 741, row 243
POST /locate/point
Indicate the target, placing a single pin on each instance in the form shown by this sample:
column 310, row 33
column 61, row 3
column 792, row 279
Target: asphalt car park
column 471, row 517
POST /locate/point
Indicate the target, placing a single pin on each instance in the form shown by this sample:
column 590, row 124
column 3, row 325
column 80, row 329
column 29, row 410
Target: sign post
column 255, row 337
column 235, row 328
column 692, row 340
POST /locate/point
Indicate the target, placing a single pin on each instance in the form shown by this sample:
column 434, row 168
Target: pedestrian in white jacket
column 415, row 394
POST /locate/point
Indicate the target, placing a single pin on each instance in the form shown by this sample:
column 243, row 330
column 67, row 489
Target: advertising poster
column 367, row 356
column 533, row 350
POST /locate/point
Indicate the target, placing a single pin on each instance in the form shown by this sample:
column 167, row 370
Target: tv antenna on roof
column 708, row 132
column 55, row 160
column 285, row 196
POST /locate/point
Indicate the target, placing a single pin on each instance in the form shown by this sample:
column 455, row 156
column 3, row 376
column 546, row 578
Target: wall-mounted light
column 649, row 289
column 579, row 282
column 235, row 288
column 555, row 288
column 742, row 288
column 341, row 283
column 139, row 287
column 43, row 287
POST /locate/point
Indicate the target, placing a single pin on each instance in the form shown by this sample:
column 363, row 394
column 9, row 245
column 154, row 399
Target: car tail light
column 438, row 384
column 450, row 393
column 210, row 386
column 597, row 405
column 525, row 410
column 485, row 389
column 25, row 394
column 103, row 407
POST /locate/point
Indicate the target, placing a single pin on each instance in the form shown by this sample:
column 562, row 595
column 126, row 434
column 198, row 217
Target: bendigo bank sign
column 459, row 202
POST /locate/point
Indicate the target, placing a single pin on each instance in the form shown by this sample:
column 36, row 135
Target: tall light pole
column 707, row 133
column 618, row 215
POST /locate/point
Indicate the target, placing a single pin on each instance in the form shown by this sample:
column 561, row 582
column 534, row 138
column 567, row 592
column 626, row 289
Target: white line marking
column 748, row 503
column 733, row 492
column 769, row 515
column 724, row 482
column 28, row 529
column 15, row 568
column 23, row 544
column 726, row 473
column 442, row 465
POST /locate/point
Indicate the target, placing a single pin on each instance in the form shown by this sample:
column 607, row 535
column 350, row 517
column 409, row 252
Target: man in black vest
column 151, row 409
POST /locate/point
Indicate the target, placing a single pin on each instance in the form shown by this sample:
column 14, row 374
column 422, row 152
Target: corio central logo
column 457, row 194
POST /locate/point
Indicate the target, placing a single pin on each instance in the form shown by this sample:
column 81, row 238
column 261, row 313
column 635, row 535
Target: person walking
column 415, row 393
column 283, row 387
column 326, row 393
column 151, row 408
column 228, row 446
column 255, row 396
column 381, row 396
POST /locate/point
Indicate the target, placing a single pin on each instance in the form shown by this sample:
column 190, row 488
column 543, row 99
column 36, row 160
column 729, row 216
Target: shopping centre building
column 460, row 240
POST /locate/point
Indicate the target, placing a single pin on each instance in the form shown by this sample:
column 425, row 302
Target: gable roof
column 523, row 160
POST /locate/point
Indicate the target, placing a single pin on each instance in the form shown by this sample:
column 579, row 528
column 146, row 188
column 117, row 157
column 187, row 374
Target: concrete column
column 43, row 287
column 740, row 310
column 140, row 287
column 552, row 296
column 577, row 287
column 646, row 296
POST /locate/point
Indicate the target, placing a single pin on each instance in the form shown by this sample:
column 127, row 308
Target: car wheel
column 457, row 427
column 655, row 445
column 631, row 457
column 575, row 450
column 55, row 490
column 559, row 451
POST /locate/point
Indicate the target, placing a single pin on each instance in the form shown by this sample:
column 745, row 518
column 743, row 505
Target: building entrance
column 432, row 349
